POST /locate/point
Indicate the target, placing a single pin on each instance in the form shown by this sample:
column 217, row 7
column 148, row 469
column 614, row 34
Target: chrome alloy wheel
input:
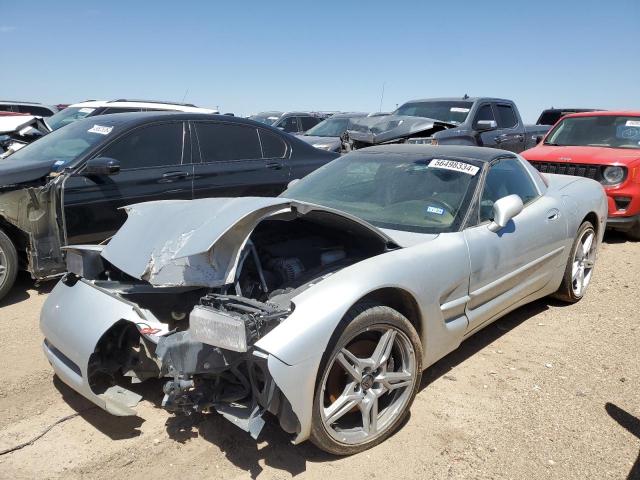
column 4, row 266
column 368, row 385
column 583, row 262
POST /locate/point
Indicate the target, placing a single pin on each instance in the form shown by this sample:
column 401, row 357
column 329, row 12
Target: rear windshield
column 597, row 131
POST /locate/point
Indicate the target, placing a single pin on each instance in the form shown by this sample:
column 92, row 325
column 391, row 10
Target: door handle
column 553, row 214
column 172, row 175
column 500, row 138
column 274, row 165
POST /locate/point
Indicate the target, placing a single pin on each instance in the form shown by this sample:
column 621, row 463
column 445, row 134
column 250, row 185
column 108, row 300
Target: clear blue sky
column 325, row 55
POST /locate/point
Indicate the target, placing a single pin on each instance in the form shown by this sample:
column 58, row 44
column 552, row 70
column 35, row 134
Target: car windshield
column 399, row 192
column 64, row 145
column 611, row 131
column 67, row 116
column 268, row 118
column 450, row 112
column 331, row 127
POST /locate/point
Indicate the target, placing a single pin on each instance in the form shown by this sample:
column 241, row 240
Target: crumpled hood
column 389, row 127
column 172, row 243
column 14, row 123
column 13, row 172
column 313, row 140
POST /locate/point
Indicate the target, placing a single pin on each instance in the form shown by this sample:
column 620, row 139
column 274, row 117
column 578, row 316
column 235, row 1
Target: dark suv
column 68, row 186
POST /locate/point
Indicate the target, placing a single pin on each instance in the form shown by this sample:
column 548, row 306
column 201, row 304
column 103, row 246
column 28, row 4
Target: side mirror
column 538, row 138
column 293, row 182
column 486, row 125
column 504, row 210
column 102, row 166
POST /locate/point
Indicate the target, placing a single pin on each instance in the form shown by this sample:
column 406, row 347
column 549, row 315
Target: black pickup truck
column 478, row 121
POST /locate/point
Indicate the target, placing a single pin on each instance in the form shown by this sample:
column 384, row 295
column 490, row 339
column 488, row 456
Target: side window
column 506, row 116
column 289, row 124
column 309, row 122
column 506, row 177
column 484, row 113
column 272, row 145
column 226, row 141
column 120, row 110
column 152, row 146
column 5, row 108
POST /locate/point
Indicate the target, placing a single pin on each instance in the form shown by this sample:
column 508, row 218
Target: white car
column 103, row 107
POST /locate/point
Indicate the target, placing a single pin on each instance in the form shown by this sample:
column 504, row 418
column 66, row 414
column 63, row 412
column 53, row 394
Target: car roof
column 608, row 113
column 459, row 99
column 482, row 154
column 131, row 119
column 348, row 115
column 20, row 102
column 141, row 104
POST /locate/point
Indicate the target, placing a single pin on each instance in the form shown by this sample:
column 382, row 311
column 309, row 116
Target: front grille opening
column 575, row 169
column 622, row 203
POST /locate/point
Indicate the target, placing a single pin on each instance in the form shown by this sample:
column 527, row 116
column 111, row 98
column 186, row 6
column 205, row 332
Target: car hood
column 173, row 243
column 588, row 155
column 15, row 123
column 390, row 127
column 14, row 172
column 313, row 140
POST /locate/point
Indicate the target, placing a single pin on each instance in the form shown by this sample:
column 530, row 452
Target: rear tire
column 577, row 274
column 8, row 264
column 363, row 395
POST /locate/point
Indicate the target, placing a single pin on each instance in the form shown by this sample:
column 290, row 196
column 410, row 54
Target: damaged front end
column 369, row 131
column 189, row 303
column 18, row 131
column 30, row 213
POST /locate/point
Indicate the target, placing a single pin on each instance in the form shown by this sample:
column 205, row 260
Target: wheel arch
column 400, row 300
column 592, row 217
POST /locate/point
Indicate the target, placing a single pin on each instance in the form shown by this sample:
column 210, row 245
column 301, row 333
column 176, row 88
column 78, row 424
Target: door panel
column 232, row 162
column 92, row 202
column 515, row 262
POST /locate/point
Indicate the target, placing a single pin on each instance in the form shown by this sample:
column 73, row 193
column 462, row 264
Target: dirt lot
column 550, row 391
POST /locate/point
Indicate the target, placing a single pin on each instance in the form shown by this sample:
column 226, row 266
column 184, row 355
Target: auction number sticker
column 459, row 110
column 632, row 123
column 100, row 129
column 453, row 165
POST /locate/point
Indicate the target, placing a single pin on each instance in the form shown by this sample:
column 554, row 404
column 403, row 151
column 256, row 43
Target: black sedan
column 68, row 187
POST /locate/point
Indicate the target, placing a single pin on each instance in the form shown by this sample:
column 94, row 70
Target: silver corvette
column 322, row 306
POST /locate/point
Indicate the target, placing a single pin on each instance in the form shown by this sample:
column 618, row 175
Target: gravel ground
column 549, row 391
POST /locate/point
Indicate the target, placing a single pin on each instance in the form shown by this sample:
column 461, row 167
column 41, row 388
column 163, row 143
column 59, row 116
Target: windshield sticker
column 632, row 123
column 629, row 133
column 453, row 165
column 436, row 210
column 100, row 129
column 459, row 110
column 86, row 110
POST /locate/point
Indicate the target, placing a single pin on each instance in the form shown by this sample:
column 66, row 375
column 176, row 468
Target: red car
column 604, row 146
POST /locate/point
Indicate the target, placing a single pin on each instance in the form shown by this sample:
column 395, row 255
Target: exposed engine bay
column 202, row 338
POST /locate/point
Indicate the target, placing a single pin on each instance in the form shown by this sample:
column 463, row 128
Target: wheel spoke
column 350, row 363
column 369, row 410
column 395, row 380
column 580, row 281
column 575, row 269
column 343, row 404
column 586, row 246
column 383, row 349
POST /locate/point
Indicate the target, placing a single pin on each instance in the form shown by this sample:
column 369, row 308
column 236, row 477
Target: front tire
column 580, row 264
column 367, row 382
column 8, row 264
